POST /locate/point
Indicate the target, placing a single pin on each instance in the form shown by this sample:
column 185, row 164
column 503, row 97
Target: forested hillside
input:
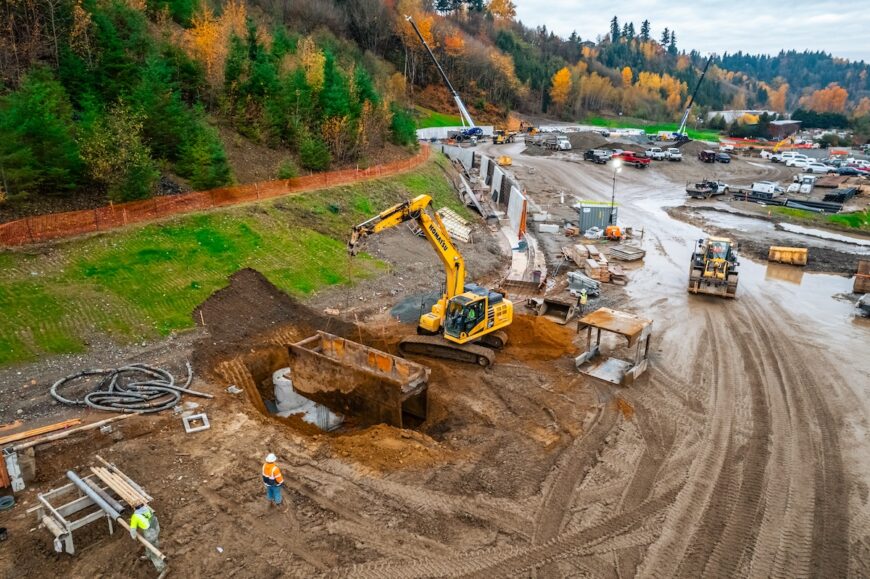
column 123, row 99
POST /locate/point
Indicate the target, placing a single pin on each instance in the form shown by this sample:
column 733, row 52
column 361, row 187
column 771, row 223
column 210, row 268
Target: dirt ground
column 742, row 452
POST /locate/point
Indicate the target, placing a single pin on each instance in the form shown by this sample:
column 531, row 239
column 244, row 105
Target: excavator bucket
column 558, row 311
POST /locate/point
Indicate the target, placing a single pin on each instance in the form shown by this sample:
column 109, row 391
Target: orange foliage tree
column 502, row 9
column 831, row 99
column 208, row 37
column 454, row 45
column 561, row 87
column 777, row 98
column 627, row 76
column 862, row 109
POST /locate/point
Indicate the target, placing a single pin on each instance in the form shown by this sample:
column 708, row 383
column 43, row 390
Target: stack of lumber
column 627, row 252
column 576, row 253
column 37, row 431
column 596, row 265
column 125, row 488
column 617, row 274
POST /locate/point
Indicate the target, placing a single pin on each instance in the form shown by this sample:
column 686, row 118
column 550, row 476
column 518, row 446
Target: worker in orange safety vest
column 273, row 479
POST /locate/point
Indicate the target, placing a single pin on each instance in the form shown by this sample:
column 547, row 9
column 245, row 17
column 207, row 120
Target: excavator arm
column 433, row 229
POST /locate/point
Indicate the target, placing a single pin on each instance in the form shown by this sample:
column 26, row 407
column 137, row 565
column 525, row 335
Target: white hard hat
column 271, row 457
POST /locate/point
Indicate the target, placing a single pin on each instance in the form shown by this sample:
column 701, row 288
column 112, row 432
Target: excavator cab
column 464, row 315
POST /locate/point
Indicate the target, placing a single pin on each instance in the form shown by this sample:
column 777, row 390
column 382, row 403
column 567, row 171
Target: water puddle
column 822, row 234
column 785, row 234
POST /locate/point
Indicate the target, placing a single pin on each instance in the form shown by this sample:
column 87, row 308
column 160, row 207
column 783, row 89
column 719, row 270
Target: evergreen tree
column 666, row 37
column 475, row 5
column 629, row 31
column 38, row 151
column 335, row 95
column 614, row 30
column 235, row 66
column 672, row 44
column 645, row 31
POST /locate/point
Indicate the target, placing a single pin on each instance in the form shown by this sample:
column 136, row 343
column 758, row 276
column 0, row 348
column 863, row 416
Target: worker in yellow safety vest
column 273, row 479
column 145, row 519
column 582, row 299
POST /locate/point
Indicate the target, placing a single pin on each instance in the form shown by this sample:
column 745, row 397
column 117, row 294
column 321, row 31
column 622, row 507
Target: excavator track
column 438, row 347
column 495, row 340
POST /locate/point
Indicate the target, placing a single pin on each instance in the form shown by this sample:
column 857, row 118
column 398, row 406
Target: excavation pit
column 365, row 385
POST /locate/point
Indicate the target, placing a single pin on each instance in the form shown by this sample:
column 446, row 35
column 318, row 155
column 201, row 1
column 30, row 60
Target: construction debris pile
column 136, row 388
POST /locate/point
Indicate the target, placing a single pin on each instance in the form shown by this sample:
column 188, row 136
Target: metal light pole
column 617, row 167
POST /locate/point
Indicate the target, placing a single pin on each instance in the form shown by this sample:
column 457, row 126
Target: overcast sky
column 841, row 27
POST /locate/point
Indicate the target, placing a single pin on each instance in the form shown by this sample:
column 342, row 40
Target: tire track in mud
column 664, row 556
column 827, row 509
column 730, row 523
column 508, row 562
column 568, row 473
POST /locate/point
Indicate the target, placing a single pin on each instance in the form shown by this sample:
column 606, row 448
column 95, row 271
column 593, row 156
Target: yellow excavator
column 467, row 322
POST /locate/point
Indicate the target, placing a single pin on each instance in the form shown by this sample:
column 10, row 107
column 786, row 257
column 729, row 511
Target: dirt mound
column 536, row 151
column 247, row 311
column 386, row 448
column 692, row 148
column 535, row 338
column 586, row 140
column 625, row 146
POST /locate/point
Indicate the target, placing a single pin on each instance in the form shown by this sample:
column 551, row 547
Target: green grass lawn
column 429, row 118
column 650, row 127
column 859, row 220
column 144, row 282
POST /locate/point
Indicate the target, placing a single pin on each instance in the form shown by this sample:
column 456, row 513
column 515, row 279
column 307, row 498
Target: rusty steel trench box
column 367, row 385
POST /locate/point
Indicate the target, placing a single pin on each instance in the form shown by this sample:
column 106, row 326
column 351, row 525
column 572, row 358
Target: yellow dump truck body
column 790, row 255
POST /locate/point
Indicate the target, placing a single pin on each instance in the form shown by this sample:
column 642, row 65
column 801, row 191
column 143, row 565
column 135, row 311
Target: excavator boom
column 433, row 229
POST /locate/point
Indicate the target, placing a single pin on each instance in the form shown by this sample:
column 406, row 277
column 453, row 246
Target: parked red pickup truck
column 637, row 159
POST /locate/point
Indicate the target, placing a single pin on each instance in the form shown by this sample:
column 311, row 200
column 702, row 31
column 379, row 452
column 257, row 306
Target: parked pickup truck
column 674, row 154
column 656, row 153
column 598, row 156
column 638, row 160
column 706, row 189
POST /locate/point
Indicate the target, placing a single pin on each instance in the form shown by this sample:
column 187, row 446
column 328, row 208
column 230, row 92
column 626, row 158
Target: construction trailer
column 634, row 329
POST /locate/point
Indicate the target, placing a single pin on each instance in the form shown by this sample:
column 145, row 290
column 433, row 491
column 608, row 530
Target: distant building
column 782, row 129
column 732, row 115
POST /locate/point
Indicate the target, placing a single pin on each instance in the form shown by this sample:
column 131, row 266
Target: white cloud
column 753, row 26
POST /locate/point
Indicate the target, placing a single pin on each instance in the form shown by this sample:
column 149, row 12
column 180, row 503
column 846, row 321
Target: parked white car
column 797, row 162
column 656, row 154
column 814, row 167
column 674, row 154
column 787, row 156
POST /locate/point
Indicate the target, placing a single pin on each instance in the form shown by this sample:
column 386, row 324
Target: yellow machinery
column 714, row 268
column 502, row 137
column 778, row 146
column 466, row 322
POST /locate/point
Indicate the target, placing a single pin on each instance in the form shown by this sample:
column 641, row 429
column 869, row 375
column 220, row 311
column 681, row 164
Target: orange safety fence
column 60, row 225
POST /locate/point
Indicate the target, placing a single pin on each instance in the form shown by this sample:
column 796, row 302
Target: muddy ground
column 742, row 452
